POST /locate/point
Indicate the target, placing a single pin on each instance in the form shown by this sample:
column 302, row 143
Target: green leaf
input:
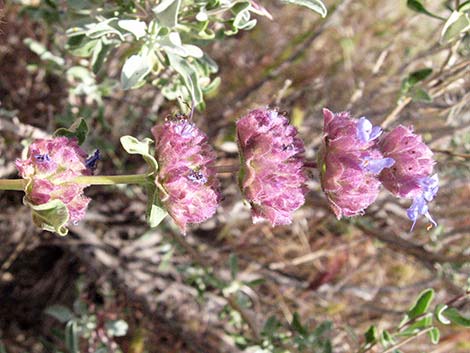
column 417, row 326
column 134, row 146
column 419, row 75
column 434, row 335
column 386, row 339
column 413, row 79
column 51, row 216
column 60, row 312
column 134, row 71
column 2, row 348
column 371, row 334
column 242, row 17
column 420, row 95
column 422, row 303
column 155, row 213
column 166, row 12
column 137, row 28
column 457, row 23
column 189, row 76
column 233, row 262
column 71, row 337
column 315, row 5
column 417, row 6
column 456, row 317
column 297, row 325
column 464, row 7
column 78, row 130
column 255, row 282
column 116, row 328
column 439, row 314
column 323, row 328
column 270, row 327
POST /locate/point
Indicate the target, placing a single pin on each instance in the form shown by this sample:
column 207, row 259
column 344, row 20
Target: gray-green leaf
column 315, row 5
column 134, row 146
column 134, row 71
column 51, row 216
column 189, row 75
column 166, row 12
column 457, row 23
column 136, row 27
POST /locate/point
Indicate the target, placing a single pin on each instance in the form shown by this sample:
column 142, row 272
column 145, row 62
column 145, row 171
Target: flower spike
column 186, row 172
column 350, row 162
column 271, row 176
column 49, row 169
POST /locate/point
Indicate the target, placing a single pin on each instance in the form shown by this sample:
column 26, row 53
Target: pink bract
column 414, row 161
column 349, row 162
column 186, row 172
column 50, row 168
column 271, row 175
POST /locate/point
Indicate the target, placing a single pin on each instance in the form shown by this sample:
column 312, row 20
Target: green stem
column 12, row 184
column 19, row 184
column 112, row 179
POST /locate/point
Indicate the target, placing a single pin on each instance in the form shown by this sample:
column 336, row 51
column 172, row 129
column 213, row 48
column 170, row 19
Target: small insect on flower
column 271, row 177
column 349, row 163
column 412, row 175
column 186, row 174
column 50, row 167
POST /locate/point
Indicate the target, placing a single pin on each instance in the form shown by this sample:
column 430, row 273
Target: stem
column 12, row 184
column 112, row 179
column 409, row 339
column 19, row 184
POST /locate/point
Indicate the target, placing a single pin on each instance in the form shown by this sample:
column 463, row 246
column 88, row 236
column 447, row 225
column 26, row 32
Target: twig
column 409, row 339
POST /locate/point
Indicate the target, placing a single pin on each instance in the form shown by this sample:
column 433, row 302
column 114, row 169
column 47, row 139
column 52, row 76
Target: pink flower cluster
column 50, row 168
column 412, row 175
column 186, row 172
column 355, row 160
column 271, row 175
column 349, row 163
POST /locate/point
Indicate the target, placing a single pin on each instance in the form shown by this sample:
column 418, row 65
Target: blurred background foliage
column 319, row 285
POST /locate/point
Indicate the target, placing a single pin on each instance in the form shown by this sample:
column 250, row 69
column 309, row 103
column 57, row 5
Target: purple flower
column 349, row 163
column 271, row 174
column 410, row 177
column 50, row 168
column 186, row 172
column 429, row 187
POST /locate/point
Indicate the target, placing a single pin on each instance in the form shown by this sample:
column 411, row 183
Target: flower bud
column 186, row 172
column 410, row 177
column 50, row 167
column 271, row 174
column 349, row 163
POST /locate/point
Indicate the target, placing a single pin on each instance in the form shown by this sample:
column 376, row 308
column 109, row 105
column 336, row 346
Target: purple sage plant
column 350, row 162
column 186, row 172
column 50, row 167
column 271, row 175
column 412, row 175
